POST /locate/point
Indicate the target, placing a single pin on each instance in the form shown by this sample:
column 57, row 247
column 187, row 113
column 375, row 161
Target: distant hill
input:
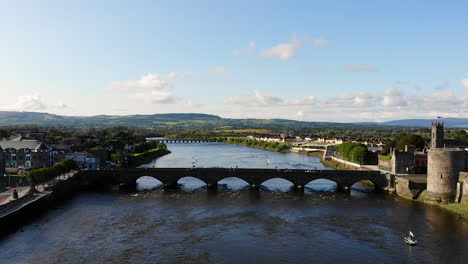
column 448, row 122
column 190, row 120
column 183, row 120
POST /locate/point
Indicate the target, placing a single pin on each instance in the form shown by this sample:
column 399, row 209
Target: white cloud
column 286, row 51
column 220, row 69
column 244, row 99
column 60, row 105
column 155, row 97
column 361, row 68
column 33, row 102
column 267, row 99
column 443, row 86
column 173, row 75
column 29, row 103
column 246, row 51
column 150, row 88
column 309, row 100
column 150, row 81
column 300, row 115
column 464, row 82
column 283, row 51
column 257, row 98
column 191, row 104
column 393, row 97
column 320, row 42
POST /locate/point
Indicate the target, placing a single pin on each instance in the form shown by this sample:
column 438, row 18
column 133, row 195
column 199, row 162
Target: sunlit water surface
column 229, row 226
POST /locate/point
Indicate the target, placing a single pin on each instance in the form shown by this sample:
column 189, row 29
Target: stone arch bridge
column 254, row 177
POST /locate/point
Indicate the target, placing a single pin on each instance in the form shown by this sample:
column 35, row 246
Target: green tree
column 411, row 140
column 460, row 134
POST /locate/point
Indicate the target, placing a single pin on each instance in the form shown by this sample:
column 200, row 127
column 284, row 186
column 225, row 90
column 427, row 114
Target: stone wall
column 403, row 161
column 462, row 188
column 385, row 163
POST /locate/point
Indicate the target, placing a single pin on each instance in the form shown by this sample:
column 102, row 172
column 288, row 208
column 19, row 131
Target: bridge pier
column 171, row 186
column 299, row 188
column 342, row 188
column 212, row 186
column 254, row 187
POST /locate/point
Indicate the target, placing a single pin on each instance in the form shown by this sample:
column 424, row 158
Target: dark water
column 238, row 227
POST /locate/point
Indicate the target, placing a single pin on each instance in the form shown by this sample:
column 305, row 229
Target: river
column 229, row 226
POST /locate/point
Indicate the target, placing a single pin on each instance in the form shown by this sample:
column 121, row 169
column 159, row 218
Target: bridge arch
column 191, row 183
column 277, row 184
column 233, row 183
column 148, row 183
column 364, row 186
column 321, row 185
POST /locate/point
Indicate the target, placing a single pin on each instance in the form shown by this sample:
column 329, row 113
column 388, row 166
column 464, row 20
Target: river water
column 230, row 226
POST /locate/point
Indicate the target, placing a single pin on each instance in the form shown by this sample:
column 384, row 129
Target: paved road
column 5, row 196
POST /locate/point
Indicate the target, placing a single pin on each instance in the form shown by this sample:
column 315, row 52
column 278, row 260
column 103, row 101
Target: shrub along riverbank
column 42, row 175
column 331, row 163
column 273, row 146
column 148, row 152
column 138, row 159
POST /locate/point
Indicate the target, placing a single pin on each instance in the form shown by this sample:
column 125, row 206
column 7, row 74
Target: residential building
column 84, row 160
column 29, row 153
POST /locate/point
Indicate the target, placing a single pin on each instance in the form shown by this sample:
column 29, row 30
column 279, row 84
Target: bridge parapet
column 255, row 177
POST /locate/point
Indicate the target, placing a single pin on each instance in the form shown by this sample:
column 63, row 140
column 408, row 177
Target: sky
column 314, row 60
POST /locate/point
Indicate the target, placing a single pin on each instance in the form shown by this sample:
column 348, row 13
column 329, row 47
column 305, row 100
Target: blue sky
column 305, row 60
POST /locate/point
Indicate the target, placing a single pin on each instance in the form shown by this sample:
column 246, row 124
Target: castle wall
column 444, row 166
column 462, row 188
column 403, row 161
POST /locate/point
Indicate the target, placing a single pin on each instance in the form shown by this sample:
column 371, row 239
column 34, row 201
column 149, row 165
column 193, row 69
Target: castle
column 445, row 166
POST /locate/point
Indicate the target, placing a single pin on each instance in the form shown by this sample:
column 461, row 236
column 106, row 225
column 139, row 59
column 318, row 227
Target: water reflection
column 321, row 185
column 145, row 183
column 191, row 183
column 233, row 183
column 277, row 185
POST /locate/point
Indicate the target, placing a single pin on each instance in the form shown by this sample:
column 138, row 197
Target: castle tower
column 443, row 167
column 437, row 135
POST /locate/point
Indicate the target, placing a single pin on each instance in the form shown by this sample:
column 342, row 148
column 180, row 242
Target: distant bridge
column 174, row 140
column 254, row 177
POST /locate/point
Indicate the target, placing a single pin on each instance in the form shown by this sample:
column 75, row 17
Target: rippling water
column 238, row 226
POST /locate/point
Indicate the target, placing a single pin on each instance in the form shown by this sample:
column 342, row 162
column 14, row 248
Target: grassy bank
column 331, row 163
column 457, row 208
column 138, row 159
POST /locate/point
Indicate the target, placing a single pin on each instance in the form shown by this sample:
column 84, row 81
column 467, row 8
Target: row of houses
column 22, row 153
column 317, row 140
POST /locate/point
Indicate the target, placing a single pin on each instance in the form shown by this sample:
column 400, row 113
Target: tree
column 460, row 134
column 411, row 140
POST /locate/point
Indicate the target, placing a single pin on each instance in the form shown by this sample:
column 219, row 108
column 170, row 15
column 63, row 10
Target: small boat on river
column 410, row 239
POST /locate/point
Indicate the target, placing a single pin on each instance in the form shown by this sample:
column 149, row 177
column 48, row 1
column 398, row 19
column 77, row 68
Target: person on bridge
column 15, row 194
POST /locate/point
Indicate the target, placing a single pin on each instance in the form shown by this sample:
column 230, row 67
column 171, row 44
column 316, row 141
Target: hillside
column 448, row 122
column 184, row 120
column 189, row 120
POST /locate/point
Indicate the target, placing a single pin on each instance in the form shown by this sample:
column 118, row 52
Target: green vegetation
column 459, row 134
column 411, row 140
column 331, row 163
column 42, row 175
column 136, row 159
column 274, row 146
column 355, row 152
column 458, row 208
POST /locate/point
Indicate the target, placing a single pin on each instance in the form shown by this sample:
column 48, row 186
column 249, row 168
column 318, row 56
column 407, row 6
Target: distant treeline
column 275, row 146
